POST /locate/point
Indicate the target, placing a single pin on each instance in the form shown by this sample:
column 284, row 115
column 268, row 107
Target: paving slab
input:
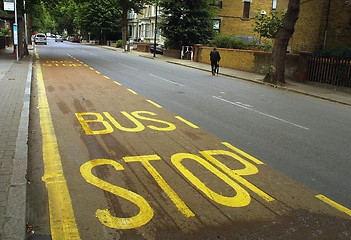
column 15, row 82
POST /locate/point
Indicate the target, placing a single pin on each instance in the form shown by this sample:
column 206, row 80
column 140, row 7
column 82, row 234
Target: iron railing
column 331, row 71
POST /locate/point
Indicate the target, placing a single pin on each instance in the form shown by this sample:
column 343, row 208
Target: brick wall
column 310, row 27
column 339, row 30
column 232, row 16
column 247, row 60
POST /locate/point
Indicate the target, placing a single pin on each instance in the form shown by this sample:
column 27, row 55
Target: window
column 274, row 5
column 217, row 25
column 246, row 14
column 217, row 4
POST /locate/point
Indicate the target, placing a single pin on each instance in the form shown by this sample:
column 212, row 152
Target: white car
column 40, row 38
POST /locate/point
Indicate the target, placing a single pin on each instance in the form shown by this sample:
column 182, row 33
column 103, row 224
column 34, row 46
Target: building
column 321, row 23
column 141, row 27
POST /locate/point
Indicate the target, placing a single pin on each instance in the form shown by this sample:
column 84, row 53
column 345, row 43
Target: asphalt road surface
column 124, row 147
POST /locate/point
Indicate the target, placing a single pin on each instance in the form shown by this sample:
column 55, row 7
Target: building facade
column 141, row 27
column 321, row 23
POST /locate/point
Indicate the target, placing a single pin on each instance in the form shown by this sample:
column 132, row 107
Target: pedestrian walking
column 215, row 57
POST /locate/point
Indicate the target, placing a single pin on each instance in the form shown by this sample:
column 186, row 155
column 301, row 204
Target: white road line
column 127, row 66
column 175, row 83
column 262, row 113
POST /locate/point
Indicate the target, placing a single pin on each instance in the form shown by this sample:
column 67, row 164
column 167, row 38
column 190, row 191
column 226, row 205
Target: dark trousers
column 214, row 66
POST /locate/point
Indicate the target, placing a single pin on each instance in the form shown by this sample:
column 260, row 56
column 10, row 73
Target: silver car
column 58, row 39
column 40, row 38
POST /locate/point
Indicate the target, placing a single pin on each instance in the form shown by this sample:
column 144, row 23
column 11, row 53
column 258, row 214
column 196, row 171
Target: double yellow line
column 62, row 221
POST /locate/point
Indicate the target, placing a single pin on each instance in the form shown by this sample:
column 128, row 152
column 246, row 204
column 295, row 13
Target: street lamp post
column 155, row 33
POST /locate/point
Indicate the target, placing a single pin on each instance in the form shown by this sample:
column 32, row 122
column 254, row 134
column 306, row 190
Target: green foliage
column 119, row 44
column 231, row 42
column 5, row 32
column 228, row 41
column 336, row 53
column 186, row 22
column 268, row 25
column 54, row 16
column 99, row 16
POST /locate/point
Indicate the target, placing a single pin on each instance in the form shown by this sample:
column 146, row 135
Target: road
column 163, row 139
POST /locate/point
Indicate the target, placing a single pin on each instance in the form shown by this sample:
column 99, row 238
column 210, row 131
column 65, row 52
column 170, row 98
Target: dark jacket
column 215, row 56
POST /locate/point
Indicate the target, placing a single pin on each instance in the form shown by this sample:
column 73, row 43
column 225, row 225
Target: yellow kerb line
column 334, row 204
column 36, row 54
column 62, row 221
column 155, row 104
column 118, row 83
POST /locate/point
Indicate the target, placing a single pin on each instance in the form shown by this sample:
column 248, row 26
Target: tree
column 99, row 17
column 267, row 25
column 277, row 67
column 186, row 22
column 54, row 16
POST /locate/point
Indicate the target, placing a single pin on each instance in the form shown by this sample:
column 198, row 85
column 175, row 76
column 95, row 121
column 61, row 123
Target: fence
column 330, row 71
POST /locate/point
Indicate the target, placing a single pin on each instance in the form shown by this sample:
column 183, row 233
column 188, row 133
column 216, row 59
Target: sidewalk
column 15, row 83
column 327, row 92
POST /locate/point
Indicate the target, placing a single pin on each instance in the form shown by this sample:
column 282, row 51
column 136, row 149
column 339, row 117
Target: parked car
column 40, row 38
column 74, row 39
column 58, row 38
column 159, row 49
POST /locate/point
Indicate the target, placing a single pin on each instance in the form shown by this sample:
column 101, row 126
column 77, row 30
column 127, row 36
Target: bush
column 119, row 44
column 228, row 41
column 5, row 32
column 336, row 53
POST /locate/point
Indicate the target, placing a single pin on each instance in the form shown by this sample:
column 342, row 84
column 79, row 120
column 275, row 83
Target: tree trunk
column 281, row 43
column 124, row 27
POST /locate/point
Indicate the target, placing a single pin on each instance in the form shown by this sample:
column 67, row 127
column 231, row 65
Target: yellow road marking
column 145, row 161
column 130, row 90
column 334, row 204
column 36, row 54
column 107, row 77
column 187, row 122
column 249, row 169
column 145, row 214
column 118, row 83
column 242, row 153
column 242, row 197
column 98, row 72
column 62, row 221
column 153, row 103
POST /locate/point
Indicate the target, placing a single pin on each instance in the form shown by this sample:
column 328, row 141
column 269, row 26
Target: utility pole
column 155, row 33
column 15, row 33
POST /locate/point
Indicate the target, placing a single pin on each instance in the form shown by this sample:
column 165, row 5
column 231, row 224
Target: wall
column 309, row 28
column 247, row 60
column 232, row 16
column 339, row 30
column 171, row 53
